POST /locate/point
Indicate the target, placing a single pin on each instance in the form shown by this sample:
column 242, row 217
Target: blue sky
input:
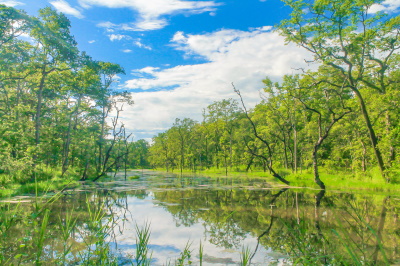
column 180, row 56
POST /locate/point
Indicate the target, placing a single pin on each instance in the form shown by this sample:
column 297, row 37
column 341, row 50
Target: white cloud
column 106, row 24
column 92, row 41
column 64, row 7
column 151, row 12
column 11, row 3
column 138, row 43
column 241, row 57
column 214, row 44
column 118, row 37
column 127, row 51
column 149, row 23
column 147, row 70
column 386, row 6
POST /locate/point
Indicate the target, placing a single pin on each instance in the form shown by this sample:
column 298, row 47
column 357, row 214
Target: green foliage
column 342, row 117
column 47, row 91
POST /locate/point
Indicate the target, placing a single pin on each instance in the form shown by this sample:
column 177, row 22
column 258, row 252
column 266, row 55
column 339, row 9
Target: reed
column 201, row 251
column 143, row 254
column 185, row 256
column 67, row 226
column 245, row 256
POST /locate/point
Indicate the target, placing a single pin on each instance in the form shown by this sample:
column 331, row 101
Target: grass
column 245, row 256
column 339, row 180
column 46, row 180
column 143, row 254
column 134, row 177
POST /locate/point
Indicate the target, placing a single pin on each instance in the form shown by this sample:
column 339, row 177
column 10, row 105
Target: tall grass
column 67, row 228
column 201, row 253
column 245, row 256
column 185, row 256
column 143, row 256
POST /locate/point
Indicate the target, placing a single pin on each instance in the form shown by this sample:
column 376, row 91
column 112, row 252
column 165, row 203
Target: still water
column 276, row 225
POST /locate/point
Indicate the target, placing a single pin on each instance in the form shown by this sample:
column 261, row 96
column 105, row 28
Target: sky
column 181, row 56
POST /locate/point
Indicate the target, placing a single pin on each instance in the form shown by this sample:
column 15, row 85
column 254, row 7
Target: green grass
column 340, row 180
column 46, row 180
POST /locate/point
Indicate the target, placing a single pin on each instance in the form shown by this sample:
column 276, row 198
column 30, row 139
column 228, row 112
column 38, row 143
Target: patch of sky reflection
column 168, row 238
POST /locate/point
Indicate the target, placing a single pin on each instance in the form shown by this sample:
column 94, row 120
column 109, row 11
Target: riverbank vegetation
column 343, row 116
column 59, row 111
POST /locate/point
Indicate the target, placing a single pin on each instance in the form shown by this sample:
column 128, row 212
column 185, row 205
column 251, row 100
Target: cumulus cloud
column 152, row 12
column 241, row 57
column 212, row 45
column 386, row 6
column 11, row 3
column 64, row 7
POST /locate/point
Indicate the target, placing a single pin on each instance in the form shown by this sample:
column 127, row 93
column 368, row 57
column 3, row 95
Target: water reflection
column 286, row 226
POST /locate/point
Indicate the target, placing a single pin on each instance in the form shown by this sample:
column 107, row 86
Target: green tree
column 358, row 45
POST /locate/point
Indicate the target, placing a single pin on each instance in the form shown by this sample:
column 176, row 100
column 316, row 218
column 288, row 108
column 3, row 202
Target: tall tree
column 359, row 45
column 55, row 50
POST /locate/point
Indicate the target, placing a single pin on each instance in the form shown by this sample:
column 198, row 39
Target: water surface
column 280, row 226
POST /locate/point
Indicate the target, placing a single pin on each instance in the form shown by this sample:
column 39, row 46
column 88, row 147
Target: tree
column 47, row 91
column 222, row 118
column 361, row 46
column 264, row 141
column 13, row 23
column 56, row 49
column 181, row 131
column 328, row 104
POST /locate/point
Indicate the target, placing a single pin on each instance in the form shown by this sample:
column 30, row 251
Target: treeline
column 343, row 116
column 58, row 108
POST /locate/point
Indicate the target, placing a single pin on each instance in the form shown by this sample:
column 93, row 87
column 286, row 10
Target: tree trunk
column 295, row 148
column 39, row 105
column 372, row 135
column 249, row 163
column 68, row 139
column 317, row 180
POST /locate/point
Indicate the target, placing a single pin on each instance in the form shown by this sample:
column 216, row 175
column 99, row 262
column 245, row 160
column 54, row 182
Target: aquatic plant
column 143, row 257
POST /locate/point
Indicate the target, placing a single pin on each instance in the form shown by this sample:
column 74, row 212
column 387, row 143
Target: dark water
column 279, row 226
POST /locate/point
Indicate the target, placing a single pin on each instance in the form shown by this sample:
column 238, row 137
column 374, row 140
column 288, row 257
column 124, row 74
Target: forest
column 56, row 103
column 342, row 116
column 60, row 110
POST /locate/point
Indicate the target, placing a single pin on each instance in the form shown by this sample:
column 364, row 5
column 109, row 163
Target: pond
column 232, row 220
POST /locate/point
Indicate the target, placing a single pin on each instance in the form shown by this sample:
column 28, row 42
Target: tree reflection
column 297, row 223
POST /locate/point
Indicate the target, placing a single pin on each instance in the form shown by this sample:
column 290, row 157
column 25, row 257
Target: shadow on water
column 96, row 224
